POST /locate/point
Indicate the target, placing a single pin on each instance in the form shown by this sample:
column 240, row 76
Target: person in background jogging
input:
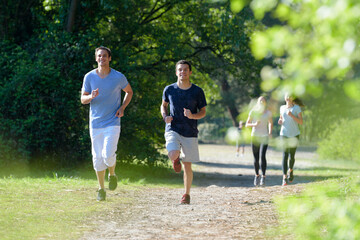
column 260, row 119
column 187, row 104
column 290, row 118
column 240, row 140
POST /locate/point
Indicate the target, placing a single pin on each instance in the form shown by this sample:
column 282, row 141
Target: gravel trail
column 224, row 202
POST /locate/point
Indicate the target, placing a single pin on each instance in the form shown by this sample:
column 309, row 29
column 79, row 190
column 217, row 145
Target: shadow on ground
column 231, row 180
column 162, row 175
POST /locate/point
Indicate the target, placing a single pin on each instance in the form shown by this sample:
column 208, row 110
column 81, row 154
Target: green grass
column 330, row 210
column 33, row 208
column 326, row 209
column 37, row 204
column 62, row 205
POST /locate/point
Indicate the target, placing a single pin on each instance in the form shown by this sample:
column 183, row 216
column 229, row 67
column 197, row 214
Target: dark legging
column 259, row 145
column 288, row 151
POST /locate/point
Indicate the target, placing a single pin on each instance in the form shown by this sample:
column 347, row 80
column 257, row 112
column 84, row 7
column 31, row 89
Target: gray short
column 188, row 146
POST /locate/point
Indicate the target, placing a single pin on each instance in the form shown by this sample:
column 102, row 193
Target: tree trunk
column 71, row 17
column 229, row 101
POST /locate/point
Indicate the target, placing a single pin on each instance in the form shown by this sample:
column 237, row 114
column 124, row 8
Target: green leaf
column 352, row 89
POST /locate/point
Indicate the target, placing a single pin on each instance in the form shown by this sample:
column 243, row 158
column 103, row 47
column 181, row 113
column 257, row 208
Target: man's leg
column 191, row 154
column 173, row 155
column 111, row 140
column 173, row 147
column 98, row 162
column 112, row 170
column 188, row 177
column 112, row 178
column 101, row 178
column 101, row 191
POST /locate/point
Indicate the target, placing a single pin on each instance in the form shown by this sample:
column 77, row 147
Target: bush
column 9, row 153
column 210, row 133
column 343, row 141
column 42, row 119
column 327, row 211
column 40, row 110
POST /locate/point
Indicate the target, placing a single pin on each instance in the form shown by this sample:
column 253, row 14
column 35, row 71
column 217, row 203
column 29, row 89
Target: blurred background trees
column 316, row 45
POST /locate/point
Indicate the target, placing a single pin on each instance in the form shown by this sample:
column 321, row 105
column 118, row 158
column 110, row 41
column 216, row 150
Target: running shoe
column 185, row 199
column 285, row 182
column 177, row 165
column 256, row 181
column 101, row 195
column 291, row 176
column 113, row 182
column 262, row 181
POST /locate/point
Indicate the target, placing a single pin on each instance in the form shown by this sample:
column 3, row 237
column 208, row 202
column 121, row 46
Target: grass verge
column 327, row 209
column 62, row 205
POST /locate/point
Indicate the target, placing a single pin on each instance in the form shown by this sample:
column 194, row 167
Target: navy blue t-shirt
column 178, row 99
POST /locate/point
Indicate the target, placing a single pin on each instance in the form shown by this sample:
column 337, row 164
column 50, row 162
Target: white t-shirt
column 262, row 129
column 289, row 127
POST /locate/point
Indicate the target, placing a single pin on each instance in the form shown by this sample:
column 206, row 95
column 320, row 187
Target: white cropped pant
column 104, row 143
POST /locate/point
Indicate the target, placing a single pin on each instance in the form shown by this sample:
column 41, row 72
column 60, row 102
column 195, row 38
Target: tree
column 42, row 73
column 71, row 15
column 316, row 46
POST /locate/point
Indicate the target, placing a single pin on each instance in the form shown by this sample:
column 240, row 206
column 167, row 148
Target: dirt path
column 224, row 203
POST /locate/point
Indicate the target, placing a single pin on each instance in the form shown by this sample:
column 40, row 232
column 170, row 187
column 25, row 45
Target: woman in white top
column 260, row 119
column 290, row 118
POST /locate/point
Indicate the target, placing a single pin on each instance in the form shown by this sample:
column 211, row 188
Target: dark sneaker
column 285, row 182
column 177, row 165
column 256, row 181
column 291, row 176
column 113, row 182
column 262, row 181
column 101, row 195
column 185, row 199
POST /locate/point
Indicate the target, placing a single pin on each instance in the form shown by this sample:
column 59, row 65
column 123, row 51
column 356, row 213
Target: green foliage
column 42, row 70
column 318, row 40
column 321, row 113
column 323, row 211
column 210, row 133
column 9, row 153
column 342, row 142
column 313, row 44
column 40, row 101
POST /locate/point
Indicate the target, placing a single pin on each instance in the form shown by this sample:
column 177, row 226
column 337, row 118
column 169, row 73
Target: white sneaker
column 256, row 181
column 237, row 155
column 262, row 181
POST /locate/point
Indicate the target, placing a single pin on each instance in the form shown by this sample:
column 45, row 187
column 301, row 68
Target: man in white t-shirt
column 102, row 89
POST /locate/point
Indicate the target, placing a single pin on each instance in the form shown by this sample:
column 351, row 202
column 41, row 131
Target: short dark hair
column 103, row 48
column 183, row 62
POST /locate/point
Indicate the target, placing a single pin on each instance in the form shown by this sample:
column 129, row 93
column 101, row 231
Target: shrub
column 326, row 211
column 343, row 141
column 9, row 153
column 41, row 115
column 210, row 133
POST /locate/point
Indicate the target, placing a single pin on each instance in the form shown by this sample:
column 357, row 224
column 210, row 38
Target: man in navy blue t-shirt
column 187, row 104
